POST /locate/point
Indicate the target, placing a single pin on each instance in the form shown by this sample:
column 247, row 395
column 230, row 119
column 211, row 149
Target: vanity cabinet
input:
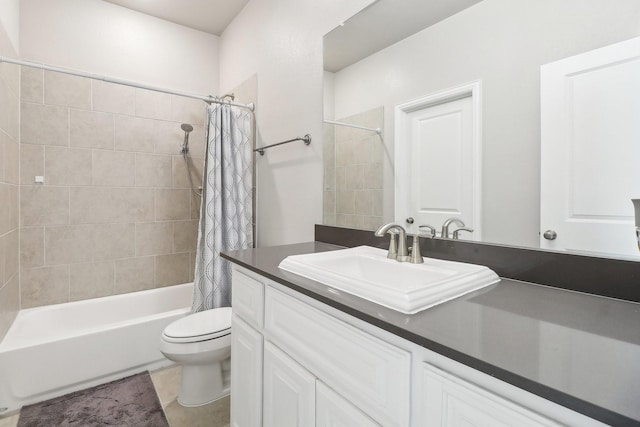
column 298, row 362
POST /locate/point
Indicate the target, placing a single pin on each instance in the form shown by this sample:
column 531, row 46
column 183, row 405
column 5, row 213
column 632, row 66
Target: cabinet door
column 333, row 410
column 289, row 391
column 450, row 401
column 246, row 375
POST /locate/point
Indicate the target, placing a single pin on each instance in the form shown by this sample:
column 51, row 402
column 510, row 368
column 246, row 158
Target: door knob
column 410, row 220
column 550, row 235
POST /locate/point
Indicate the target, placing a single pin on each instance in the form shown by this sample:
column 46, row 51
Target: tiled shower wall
column 115, row 213
column 352, row 194
column 9, row 148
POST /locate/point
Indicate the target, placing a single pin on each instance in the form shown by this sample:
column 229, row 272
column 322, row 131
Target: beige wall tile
column 32, row 85
column 8, row 207
column 172, row 204
column 44, row 286
column 329, row 219
column 364, row 202
column 353, row 178
column 112, row 241
column 3, row 140
column 67, row 90
column 42, row 205
column 11, row 161
column 329, row 178
column 372, row 176
column 10, row 73
column 67, row 166
column 136, row 134
column 180, row 177
column 170, row 137
column 192, row 266
column 172, row 269
column 5, row 208
column 68, row 244
column 195, row 205
column 153, row 105
column 9, row 304
column 113, row 98
column 345, row 202
column 11, row 254
column 31, row 162
column 329, row 202
column 91, row 280
column 90, row 129
column 376, row 204
column 135, row 274
column 44, row 124
column 188, row 110
column 154, row 238
column 185, row 235
column 110, row 205
column 153, row 170
column 32, row 247
column 5, row 106
column 113, row 168
column 2, row 259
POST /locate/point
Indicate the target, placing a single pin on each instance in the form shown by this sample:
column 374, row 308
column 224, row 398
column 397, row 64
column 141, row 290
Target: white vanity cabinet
column 298, row 362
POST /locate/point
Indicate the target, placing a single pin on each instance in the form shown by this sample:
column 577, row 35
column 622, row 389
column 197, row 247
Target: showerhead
column 185, row 145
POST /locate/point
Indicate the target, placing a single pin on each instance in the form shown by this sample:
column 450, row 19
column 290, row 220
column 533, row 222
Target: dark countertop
column 581, row 351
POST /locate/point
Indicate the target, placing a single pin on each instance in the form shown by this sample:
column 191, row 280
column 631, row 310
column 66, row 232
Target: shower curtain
column 226, row 213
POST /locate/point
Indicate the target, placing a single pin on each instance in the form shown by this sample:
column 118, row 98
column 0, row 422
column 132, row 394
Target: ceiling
column 375, row 28
column 211, row 16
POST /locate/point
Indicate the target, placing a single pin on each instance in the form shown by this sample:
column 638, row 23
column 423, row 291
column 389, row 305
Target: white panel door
column 289, row 391
column 590, row 129
column 246, row 375
column 438, row 138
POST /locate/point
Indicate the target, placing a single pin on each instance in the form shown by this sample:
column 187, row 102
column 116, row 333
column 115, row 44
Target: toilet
column 201, row 343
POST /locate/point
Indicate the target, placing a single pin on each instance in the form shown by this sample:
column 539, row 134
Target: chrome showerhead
column 185, row 145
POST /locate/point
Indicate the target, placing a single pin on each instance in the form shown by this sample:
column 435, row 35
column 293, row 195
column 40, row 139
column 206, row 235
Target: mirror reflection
column 493, row 182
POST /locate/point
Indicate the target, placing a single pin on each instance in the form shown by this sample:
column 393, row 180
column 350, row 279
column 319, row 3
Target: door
column 289, row 391
column 246, row 375
column 332, row 410
column 590, row 150
column 438, row 136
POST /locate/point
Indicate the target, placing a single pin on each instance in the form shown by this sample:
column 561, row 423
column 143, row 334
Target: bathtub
column 53, row 350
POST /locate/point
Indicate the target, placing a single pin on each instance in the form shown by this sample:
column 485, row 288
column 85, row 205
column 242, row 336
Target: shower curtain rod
column 208, row 99
column 376, row 130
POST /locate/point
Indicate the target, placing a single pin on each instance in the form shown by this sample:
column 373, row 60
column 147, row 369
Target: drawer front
column 248, row 298
column 367, row 371
column 448, row 400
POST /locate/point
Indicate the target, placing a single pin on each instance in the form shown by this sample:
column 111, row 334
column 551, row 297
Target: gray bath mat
column 130, row 401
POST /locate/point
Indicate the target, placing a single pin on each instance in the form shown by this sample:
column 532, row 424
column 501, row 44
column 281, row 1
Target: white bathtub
column 53, row 350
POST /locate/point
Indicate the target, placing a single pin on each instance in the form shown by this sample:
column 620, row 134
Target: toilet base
column 202, row 384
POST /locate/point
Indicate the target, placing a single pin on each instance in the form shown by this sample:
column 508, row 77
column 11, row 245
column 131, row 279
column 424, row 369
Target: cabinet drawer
column 448, row 400
column 247, row 298
column 372, row 374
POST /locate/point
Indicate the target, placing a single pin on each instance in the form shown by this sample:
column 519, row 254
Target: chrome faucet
column 399, row 253
column 444, row 233
column 457, row 231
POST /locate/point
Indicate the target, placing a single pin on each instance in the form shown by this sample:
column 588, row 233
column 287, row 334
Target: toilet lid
column 200, row 326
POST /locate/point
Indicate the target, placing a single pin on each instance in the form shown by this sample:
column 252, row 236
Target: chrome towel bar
column 306, row 139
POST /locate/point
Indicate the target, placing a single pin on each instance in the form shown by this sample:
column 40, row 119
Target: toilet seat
column 202, row 326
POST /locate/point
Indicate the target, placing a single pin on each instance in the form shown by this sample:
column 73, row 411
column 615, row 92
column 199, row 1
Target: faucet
column 400, row 253
column 456, row 232
column 444, row 233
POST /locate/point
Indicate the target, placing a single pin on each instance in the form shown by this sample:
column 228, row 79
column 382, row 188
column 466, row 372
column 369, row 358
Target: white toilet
column 201, row 343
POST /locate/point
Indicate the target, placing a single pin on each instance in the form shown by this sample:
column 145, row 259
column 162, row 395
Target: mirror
column 441, row 44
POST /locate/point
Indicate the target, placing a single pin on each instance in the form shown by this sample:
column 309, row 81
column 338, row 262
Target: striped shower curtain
column 226, row 213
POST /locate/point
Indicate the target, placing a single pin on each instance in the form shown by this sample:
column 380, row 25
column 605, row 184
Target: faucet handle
column 416, row 256
column 393, row 245
column 457, row 231
column 431, row 229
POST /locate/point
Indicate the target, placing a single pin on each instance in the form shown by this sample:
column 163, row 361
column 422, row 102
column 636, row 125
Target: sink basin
column 409, row 288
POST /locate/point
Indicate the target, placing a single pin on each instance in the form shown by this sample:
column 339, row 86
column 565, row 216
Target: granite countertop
column 581, row 351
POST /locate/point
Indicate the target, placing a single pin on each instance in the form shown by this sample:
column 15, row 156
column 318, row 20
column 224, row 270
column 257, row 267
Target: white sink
column 368, row 273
